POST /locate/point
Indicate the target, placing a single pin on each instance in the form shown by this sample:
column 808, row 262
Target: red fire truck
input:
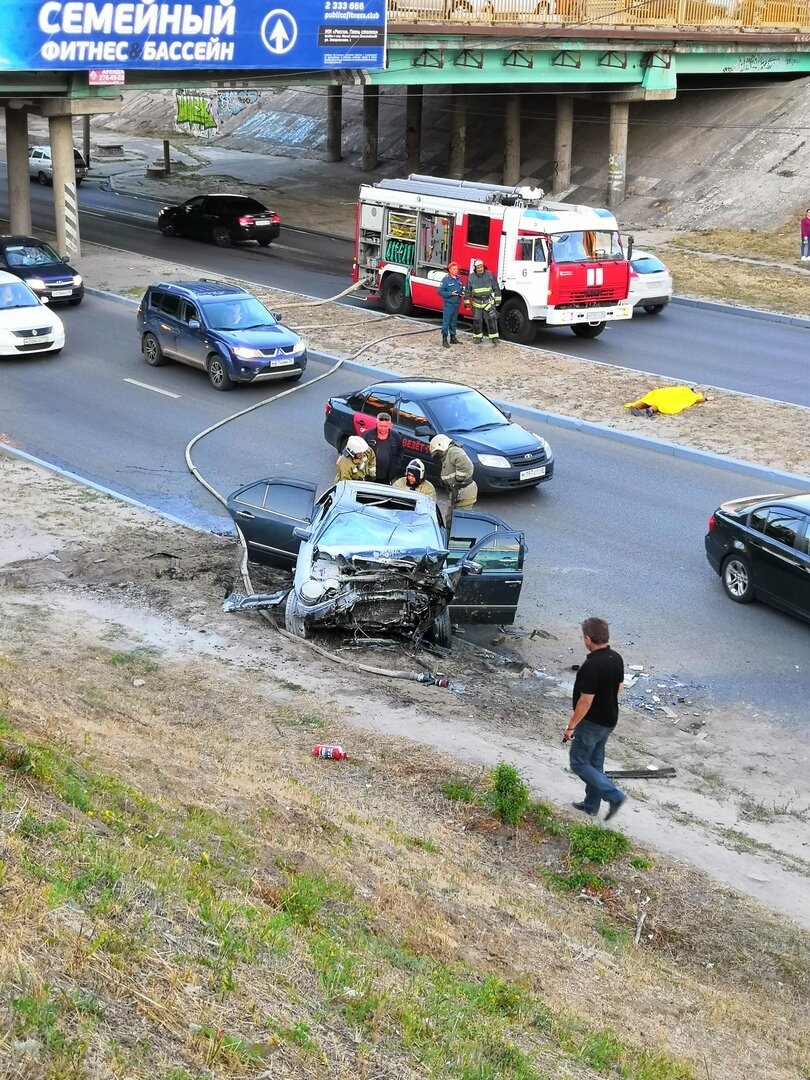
column 557, row 264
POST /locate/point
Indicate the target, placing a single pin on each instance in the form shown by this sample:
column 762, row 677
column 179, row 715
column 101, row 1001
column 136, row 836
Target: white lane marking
column 154, row 389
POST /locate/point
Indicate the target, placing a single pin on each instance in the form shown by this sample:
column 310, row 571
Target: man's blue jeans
column 588, row 762
column 804, row 246
column 450, row 318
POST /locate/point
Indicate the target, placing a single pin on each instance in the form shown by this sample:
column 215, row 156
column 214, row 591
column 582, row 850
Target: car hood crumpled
column 408, row 561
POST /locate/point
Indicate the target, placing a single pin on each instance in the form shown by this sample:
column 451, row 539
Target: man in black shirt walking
column 597, row 686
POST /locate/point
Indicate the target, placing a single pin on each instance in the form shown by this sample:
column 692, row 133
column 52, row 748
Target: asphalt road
column 619, row 530
column 695, row 346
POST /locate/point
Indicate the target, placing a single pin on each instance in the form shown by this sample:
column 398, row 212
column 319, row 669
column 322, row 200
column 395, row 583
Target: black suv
column 222, row 329
column 221, row 219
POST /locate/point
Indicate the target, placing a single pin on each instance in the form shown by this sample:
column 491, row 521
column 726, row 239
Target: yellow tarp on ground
column 668, row 400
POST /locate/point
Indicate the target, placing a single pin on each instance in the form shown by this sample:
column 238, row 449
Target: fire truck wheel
column 515, row 322
column 588, row 330
column 394, row 298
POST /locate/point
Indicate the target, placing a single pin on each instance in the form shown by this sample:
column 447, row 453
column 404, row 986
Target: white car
column 27, row 326
column 650, row 282
column 40, row 164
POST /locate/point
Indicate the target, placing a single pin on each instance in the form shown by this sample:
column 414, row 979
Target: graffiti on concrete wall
column 232, row 102
column 196, row 113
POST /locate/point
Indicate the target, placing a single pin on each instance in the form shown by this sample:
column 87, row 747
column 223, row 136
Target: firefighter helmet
column 416, row 469
column 439, row 444
column 355, row 445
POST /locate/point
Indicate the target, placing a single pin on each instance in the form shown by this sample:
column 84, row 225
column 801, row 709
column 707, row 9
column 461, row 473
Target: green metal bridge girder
column 570, row 63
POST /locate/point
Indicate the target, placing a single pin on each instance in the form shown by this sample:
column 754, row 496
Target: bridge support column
column 371, row 127
column 617, row 153
column 65, row 203
column 334, row 122
column 511, row 140
column 413, row 129
column 458, row 135
column 19, row 185
column 563, row 141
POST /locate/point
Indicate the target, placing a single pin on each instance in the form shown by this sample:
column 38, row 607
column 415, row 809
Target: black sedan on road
column 505, row 455
column 760, row 547
column 221, row 219
column 43, row 271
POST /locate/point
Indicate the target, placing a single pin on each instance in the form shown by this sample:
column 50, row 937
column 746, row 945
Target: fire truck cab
column 557, row 264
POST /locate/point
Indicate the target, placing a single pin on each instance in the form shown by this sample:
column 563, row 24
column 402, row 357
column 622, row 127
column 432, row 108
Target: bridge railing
column 761, row 15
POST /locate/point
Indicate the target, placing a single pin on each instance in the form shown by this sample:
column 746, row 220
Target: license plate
column 62, row 292
column 281, row 363
column 36, row 341
column 530, row 474
column 261, row 221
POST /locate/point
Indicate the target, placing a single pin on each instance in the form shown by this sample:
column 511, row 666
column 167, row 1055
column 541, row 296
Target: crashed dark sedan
column 377, row 559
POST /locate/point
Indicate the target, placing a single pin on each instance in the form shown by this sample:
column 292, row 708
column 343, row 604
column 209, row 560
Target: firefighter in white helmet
column 414, row 480
column 357, row 462
column 456, row 471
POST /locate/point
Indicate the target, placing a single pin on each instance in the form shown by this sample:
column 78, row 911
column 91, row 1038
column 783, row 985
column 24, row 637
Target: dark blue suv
column 220, row 328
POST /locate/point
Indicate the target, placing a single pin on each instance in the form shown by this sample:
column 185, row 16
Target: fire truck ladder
column 446, row 188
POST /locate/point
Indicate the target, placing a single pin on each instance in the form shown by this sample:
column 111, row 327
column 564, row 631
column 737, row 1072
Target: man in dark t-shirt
column 597, row 686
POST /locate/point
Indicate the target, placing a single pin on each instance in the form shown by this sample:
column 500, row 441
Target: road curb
column 587, row 427
column 748, row 312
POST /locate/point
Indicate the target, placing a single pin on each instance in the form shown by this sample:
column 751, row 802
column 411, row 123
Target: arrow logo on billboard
column 279, row 31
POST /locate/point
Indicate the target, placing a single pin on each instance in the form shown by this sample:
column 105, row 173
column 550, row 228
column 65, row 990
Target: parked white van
column 40, row 166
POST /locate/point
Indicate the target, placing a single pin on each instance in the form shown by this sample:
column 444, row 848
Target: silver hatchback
column 40, row 164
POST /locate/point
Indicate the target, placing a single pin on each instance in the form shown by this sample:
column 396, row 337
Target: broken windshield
column 587, row 246
column 399, row 531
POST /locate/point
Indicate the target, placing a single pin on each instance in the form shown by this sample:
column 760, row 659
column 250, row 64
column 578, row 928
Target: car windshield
column 647, row 264
column 238, row 313
column 16, row 296
column 587, row 246
column 466, row 411
column 395, row 532
column 30, row 255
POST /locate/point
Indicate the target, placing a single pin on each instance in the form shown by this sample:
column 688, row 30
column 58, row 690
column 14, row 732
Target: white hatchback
column 27, row 326
column 650, row 282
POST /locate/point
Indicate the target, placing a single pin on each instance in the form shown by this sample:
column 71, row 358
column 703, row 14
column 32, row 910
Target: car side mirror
column 194, row 324
column 302, row 532
column 423, row 430
column 64, row 258
column 630, row 241
column 278, row 316
column 472, row 567
column 507, row 414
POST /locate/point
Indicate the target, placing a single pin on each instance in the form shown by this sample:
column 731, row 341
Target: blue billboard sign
column 79, row 35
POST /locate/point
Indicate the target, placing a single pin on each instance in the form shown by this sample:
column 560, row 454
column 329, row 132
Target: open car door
column 491, row 596
column 267, row 512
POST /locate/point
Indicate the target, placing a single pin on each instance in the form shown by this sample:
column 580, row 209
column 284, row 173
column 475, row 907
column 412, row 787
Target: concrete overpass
column 637, row 52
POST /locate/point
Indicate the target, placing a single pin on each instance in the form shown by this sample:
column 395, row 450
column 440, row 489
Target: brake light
column 327, row 408
column 246, row 219
column 712, row 523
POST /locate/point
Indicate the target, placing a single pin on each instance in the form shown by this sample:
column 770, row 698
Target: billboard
column 170, row 35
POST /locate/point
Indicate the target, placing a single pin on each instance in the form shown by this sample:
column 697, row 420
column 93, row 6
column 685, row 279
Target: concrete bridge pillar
column 65, row 203
column 458, row 135
column 617, row 153
column 563, row 141
column 334, row 122
column 413, row 129
column 371, row 127
column 19, row 185
column 511, row 139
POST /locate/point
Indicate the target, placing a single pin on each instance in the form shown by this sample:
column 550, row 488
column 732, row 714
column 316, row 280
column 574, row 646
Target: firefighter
column 357, row 462
column 451, row 290
column 456, row 472
column 387, row 446
column 414, row 480
column 484, row 292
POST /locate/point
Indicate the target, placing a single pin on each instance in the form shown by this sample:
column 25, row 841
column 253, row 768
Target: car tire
column 168, row 229
column 42, row 178
column 221, row 236
column 441, row 633
column 515, row 322
column 75, row 301
column 737, row 581
column 394, row 299
column 218, row 373
column 588, row 330
column 152, row 352
column 293, row 623
column 265, row 243
column 654, row 309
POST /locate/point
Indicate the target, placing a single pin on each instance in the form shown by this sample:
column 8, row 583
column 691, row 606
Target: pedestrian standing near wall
column 451, row 290
column 597, row 686
column 804, row 242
